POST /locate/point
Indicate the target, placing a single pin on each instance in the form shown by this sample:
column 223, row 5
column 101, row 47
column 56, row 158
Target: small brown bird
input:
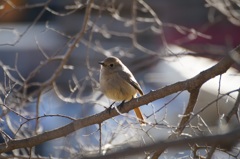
column 118, row 83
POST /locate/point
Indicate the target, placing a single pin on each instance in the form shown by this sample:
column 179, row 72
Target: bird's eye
column 111, row 65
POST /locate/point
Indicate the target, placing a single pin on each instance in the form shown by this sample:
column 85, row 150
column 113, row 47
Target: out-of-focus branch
column 191, row 103
column 76, row 40
column 189, row 85
column 234, row 110
column 186, row 116
column 228, row 8
column 226, row 140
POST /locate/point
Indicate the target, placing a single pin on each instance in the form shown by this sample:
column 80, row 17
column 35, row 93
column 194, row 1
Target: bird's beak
column 101, row 63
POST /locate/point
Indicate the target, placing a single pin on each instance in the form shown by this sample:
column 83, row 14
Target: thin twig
column 234, row 110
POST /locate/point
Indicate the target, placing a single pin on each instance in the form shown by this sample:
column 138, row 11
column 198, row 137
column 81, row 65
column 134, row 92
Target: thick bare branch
column 186, row 116
column 227, row 139
column 190, row 85
column 234, row 110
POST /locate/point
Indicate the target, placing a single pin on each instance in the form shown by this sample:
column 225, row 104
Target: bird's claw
column 121, row 104
column 109, row 108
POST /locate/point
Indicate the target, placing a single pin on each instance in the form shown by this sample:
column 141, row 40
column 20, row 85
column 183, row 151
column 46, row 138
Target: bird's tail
column 139, row 115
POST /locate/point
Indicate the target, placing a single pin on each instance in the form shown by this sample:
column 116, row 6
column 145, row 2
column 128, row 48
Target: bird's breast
column 116, row 88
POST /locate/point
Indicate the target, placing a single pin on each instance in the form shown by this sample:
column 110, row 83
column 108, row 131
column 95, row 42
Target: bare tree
column 51, row 106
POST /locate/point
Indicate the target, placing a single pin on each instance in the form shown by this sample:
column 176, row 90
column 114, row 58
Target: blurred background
column 174, row 41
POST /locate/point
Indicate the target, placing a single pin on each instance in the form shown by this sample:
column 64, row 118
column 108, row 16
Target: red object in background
column 223, row 35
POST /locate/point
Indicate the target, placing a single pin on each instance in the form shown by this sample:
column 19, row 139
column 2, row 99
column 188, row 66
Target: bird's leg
column 121, row 104
column 110, row 107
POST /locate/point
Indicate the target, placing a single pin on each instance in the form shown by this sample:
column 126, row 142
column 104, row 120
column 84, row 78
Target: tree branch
column 191, row 104
column 76, row 39
column 189, row 85
column 193, row 99
column 227, row 140
column 234, row 110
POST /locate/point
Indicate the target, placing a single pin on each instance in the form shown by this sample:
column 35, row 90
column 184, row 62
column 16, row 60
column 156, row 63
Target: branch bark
column 227, row 140
column 189, row 85
column 181, row 126
column 234, row 110
column 194, row 95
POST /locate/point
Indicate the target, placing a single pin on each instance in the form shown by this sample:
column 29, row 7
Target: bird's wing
column 128, row 77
